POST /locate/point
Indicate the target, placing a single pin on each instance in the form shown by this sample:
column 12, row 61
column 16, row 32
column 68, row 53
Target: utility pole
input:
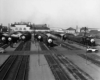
column 33, row 26
column 85, row 29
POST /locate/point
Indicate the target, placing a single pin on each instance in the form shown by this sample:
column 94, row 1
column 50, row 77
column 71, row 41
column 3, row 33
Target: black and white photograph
column 49, row 39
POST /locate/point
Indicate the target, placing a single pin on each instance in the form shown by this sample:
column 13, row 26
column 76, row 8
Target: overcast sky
column 56, row 13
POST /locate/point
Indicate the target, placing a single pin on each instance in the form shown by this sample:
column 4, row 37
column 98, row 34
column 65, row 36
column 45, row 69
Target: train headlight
column 9, row 39
column 3, row 38
column 39, row 37
column 49, row 40
column 23, row 37
column 92, row 40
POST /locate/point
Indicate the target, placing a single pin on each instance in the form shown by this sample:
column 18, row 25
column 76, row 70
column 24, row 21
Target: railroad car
column 61, row 35
column 26, row 36
column 57, row 34
column 89, row 41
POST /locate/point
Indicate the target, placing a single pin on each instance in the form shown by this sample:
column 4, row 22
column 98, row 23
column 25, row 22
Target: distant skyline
column 55, row 13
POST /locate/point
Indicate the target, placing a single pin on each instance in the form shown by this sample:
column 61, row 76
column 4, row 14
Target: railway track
column 20, row 47
column 71, row 47
column 64, row 69
column 27, row 46
column 73, row 69
column 56, row 69
column 15, row 68
column 5, row 46
column 68, row 46
column 91, row 59
column 24, row 46
column 42, row 46
column 1, row 44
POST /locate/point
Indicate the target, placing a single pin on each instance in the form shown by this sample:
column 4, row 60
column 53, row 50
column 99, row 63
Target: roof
column 94, row 31
column 83, row 28
column 13, row 25
column 41, row 27
column 70, row 28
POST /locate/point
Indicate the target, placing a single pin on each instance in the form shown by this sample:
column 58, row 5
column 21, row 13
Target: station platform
column 3, row 58
column 35, row 46
column 39, row 69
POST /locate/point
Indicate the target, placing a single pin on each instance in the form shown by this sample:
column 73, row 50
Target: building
column 71, row 30
column 20, row 26
column 27, row 26
column 84, row 29
column 3, row 28
column 40, row 28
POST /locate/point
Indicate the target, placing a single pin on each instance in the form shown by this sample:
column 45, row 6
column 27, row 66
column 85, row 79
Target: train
column 9, row 39
column 12, row 38
column 85, row 40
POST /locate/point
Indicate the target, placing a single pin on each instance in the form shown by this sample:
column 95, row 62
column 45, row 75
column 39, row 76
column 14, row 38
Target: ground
column 39, row 68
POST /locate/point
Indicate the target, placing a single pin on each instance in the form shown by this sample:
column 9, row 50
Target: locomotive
column 4, row 38
column 13, row 38
column 9, row 39
column 85, row 40
column 26, row 36
column 48, row 40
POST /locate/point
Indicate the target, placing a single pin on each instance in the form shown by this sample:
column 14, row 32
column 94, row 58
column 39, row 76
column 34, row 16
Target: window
column 20, row 29
column 24, row 28
column 16, row 28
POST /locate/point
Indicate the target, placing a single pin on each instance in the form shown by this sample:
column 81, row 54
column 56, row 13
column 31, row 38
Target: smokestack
column 76, row 28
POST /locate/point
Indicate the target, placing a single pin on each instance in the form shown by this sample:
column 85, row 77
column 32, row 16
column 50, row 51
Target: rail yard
column 39, row 57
